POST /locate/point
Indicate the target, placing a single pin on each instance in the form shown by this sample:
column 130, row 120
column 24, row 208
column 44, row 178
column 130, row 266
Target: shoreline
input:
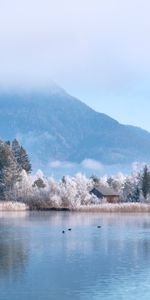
column 116, row 208
column 6, row 206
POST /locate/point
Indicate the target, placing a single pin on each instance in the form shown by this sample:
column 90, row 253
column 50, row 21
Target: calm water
column 38, row 262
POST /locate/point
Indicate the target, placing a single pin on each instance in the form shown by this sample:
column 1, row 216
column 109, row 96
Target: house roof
column 106, row 191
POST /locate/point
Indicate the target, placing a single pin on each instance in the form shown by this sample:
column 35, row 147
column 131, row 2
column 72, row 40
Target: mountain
column 53, row 125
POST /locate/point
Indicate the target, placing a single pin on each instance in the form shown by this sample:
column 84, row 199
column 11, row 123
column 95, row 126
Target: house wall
column 109, row 198
column 113, row 199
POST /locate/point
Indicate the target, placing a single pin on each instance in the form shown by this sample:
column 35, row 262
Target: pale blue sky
column 128, row 108
column 98, row 50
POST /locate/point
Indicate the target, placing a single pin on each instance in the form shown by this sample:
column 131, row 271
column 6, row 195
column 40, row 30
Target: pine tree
column 136, row 194
column 24, row 160
column 95, row 180
column 21, row 157
column 9, row 169
column 16, row 150
column 11, row 174
column 39, row 183
column 145, row 182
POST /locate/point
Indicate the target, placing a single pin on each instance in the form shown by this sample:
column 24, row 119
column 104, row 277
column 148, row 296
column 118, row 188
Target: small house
column 107, row 193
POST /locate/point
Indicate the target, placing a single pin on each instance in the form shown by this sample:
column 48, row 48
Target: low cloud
column 57, row 164
column 89, row 164
column 92, row 164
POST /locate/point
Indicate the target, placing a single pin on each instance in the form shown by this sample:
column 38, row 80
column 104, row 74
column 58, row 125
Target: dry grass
column 116, row 208
column 12, row 206
column 103, row 208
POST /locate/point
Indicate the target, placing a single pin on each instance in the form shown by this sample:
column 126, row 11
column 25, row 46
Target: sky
column 99, row 51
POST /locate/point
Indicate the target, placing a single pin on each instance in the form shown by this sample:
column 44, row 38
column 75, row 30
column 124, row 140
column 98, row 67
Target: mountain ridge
column 53, row 125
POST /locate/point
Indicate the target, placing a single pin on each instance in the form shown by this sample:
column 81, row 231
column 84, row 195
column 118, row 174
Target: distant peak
column 50, row 88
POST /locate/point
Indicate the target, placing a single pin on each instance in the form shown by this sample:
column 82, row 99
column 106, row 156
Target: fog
column 96, row 50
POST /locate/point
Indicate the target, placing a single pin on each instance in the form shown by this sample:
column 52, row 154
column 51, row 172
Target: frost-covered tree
column 44, row 194
column 128, row 190
column 55, row 193
column 75, row 191
column 68, row 192
column 116, row 182
column 84, row 186
column 131, row 191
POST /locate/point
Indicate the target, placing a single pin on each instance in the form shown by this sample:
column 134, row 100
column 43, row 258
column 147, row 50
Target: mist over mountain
column 54, row 126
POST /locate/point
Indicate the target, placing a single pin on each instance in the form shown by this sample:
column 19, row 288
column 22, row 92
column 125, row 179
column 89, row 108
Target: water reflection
column 86, row 263
column 13, row 246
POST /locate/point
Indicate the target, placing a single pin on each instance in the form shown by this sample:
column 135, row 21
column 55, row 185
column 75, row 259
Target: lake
column 38, row 262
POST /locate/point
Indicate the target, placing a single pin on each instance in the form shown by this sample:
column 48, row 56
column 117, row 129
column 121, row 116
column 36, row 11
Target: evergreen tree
column 24, row 161
column 136, row 194
column 128, row 191
column 21, row 157
column 110, row 181
column 145, row 182
column 63, row 179
column 113, row 183
column 39, row 183
column 9, row 170
column 95, row 180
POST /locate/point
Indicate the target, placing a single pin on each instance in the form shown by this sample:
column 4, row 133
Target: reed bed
column 12, row 206
column 118, row 208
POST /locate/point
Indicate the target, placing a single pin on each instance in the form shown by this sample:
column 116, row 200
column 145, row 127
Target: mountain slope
column 52, row 125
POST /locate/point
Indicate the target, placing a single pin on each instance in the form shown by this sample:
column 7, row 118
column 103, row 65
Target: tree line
column 17, row 183
column 134, row 188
